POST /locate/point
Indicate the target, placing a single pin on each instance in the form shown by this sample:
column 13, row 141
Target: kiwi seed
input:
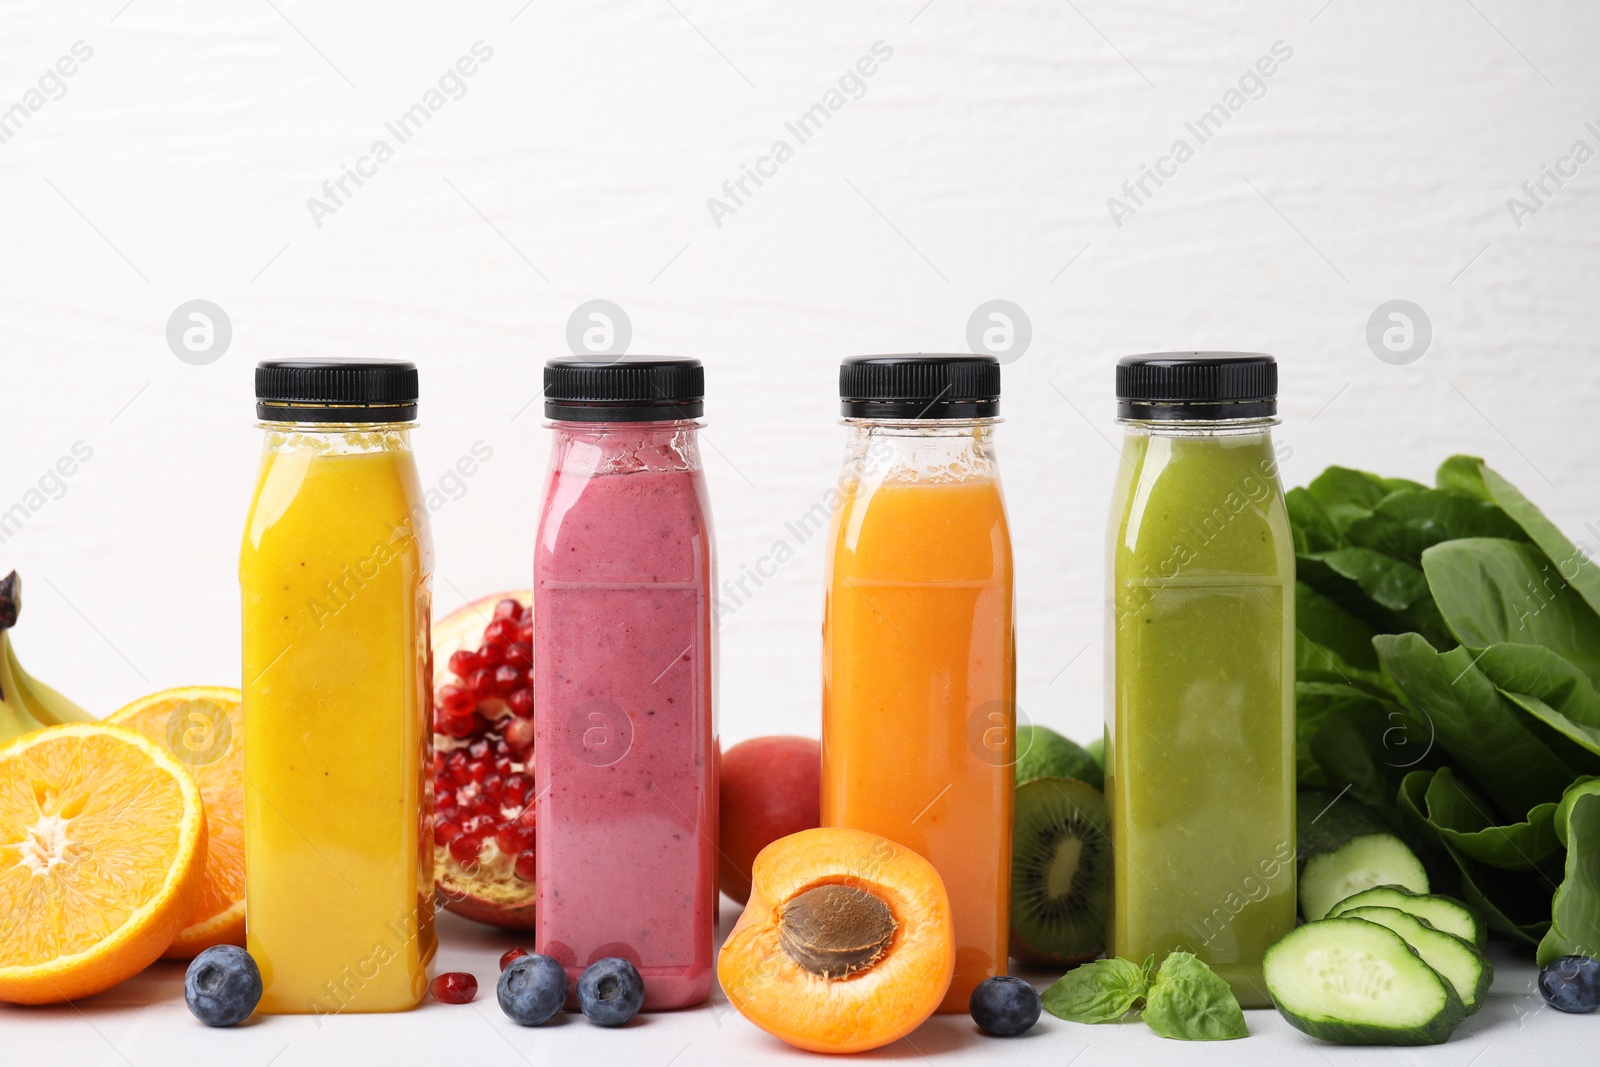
column 834, row 930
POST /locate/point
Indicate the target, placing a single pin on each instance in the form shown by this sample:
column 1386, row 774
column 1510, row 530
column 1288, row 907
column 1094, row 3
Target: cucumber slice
column 1444, row 913
column 1353, row 982
column 1464, row 967
column 1360, row 863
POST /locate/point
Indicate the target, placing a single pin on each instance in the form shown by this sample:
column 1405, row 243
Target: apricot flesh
column 770, row 787
column 846, row 943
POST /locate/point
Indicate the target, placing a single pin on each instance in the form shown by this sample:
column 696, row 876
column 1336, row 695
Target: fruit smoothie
column 625, row 772
column 1200, row 757
column 919, row 691
column 335, row 572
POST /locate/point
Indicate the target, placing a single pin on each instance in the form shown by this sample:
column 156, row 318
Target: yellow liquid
column 335, row 574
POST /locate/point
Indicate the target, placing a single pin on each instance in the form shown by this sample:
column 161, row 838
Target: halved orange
column 102, row 851
column 201, row 726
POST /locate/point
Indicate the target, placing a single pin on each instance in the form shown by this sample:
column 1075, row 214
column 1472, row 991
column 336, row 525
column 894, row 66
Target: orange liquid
column 919, row 686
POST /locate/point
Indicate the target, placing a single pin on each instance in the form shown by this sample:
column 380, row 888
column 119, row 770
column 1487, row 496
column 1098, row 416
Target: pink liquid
column 625, row 740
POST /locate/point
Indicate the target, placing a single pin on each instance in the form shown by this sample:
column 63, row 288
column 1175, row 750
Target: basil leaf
column 1096, row 992
column 1188, row 1002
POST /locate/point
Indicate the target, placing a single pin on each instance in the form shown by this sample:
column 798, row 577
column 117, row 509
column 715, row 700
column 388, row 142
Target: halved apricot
column 845, row 943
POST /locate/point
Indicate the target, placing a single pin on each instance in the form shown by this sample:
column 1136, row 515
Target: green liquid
column 1200, row 732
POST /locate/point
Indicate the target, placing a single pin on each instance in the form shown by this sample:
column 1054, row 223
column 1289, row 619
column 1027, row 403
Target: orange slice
column 102, row 851
column 202, row 728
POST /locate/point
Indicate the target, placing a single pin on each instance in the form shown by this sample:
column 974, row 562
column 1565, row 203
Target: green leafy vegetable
column 1575, row 920
column 1491, row 591
column 1464, row 822
column 1188, row 1002
column 1096, row 992
column 1483, row 733
column 1555, row 693
column 1405, row 524
column 1385, row 592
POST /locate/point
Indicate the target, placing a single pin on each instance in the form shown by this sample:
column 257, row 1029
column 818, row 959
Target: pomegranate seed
column 516, row 789
column 454, row 987
column 521, row 703
column 438, row 764
column 499, row 632
column 525, row 633
column 513, row 837
column 519, row 735
column 446, row 832
column 455, row 698
column 478, row 749
column 491, row 656
column 493, row 786
column 478, row 770
column 482, row 684
column 511, row 956
column 502, row 765
column 457, row 762
column 519, row 654
column 506, row 678
column 479, row 825
column 526, row 816
column 532, row 681
column 508, row 609
column 465, row 848
column 464, row 662
column 524, row 867
column 460, row 724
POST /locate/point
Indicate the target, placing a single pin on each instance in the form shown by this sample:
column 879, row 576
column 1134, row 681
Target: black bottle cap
column 1197, row 386
column 336, row 390
column 632, row 389
column 919, row 386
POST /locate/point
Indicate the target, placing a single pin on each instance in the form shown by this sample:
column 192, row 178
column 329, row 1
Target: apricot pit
column 835, row 930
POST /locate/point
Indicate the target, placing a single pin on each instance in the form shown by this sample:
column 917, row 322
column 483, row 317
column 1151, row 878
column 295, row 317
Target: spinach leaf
column 1571, row 563
column 1188, row 1002
column 1389, row 594
column 1368, row 744
column 1330, row 639
column 1516, row 903
column 1558, row 695
column 1096, row 992
column 1463, row 820
column 1463, row 474
column 1582, row 787
column 1484, row 734
column 1492, row 590
column 1405, row 524
column 1575, row 913
column 1314, row 530
column 1347, row 495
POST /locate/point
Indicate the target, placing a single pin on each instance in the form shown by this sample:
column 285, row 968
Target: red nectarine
column 771, row 787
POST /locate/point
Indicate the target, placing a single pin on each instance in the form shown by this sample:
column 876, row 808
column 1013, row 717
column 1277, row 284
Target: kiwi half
column 1060, row 872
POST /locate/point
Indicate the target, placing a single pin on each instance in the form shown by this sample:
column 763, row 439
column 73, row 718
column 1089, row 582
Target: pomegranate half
column 483, row 760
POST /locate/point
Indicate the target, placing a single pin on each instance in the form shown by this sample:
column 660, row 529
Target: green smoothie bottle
column 1200, row 664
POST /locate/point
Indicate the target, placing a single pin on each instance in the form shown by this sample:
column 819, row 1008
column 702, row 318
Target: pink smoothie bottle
column 625, row 678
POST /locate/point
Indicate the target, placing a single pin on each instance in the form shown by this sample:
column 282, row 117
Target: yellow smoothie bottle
column 335, row 572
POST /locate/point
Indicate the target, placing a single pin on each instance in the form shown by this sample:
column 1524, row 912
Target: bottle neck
column 921, row 450
column 589, row 449
column 1199, row 427
column 337, row 439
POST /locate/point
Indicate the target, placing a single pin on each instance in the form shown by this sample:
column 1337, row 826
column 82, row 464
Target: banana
column 26, row 704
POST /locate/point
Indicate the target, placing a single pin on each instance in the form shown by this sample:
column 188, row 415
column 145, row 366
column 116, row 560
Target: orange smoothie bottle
column 335, row 573
column 919, row 668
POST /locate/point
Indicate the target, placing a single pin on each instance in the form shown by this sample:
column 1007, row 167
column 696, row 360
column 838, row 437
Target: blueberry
column 610, row 992
column 223, row 986
column 532, row 989
column 1004, row 1006
column 1571, row 983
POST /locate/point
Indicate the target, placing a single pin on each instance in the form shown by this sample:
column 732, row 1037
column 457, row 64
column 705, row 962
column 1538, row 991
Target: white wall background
column 577, row 165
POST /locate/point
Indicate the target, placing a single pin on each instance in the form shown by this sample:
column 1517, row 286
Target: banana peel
column 26, row 704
